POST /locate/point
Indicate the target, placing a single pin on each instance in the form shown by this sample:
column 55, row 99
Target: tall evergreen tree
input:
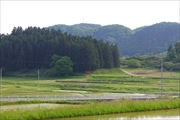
column 115, row 54
column 34, row 47
column 107, row 56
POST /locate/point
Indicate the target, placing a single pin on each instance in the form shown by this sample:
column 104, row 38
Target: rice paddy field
column 100, row 82
column 114, row 82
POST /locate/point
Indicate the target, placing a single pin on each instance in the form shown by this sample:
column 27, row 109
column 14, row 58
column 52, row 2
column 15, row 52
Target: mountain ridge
column 152, row 39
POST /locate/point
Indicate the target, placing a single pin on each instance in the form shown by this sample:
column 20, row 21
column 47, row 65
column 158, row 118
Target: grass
column 92, row 108
column 102, row 80
column 150, row 72
column 115, row 71
column 41, row 101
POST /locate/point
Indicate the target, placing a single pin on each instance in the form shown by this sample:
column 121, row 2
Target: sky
column 130, row 13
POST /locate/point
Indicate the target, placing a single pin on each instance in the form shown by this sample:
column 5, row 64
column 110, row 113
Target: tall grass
column 121, row 106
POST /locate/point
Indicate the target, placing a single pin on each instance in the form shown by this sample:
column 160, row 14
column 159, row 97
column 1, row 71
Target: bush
column 133, row 63
column 168, row 65
column 176, row 66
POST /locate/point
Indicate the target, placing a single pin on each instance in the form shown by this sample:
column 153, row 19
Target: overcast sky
column 131, row 14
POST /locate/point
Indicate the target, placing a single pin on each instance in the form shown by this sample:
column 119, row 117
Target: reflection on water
column 147, row 118
column 151, row 115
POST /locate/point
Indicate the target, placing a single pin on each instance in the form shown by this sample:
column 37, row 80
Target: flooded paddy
column 173, row 114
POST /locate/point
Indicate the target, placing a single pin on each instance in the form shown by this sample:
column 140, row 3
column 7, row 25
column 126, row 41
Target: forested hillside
column 113, row 34
column 109, row 33
column 152, row 39
column 77, row 29
column 33, row 48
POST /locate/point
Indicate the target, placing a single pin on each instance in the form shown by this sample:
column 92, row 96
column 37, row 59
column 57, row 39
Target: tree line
column 34, row 47
column 171, row 59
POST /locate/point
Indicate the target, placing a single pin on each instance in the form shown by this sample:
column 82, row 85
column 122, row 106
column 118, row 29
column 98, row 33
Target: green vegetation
column 147, row 40
column 63, row 65
column 173, row 57
column 33, row 48
column 100, row 81
column 109, row 33
column 25, row 102
column 93, row 108
column 113, row 34
column 41, row 101
column 133, row 63
column 82, row 29
column 152, row 39
column 23, row 52
column 170, row 60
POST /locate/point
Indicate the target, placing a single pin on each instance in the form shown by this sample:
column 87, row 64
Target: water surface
column 173, row 114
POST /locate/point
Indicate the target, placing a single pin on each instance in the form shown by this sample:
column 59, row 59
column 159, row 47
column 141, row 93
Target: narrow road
column 128, row 73
column 104, row 98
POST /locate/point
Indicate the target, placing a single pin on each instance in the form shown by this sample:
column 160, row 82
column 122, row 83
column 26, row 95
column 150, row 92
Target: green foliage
column 145, row 61
column 108, row 58
column 174, row 53
column 109, row 33
column 55, row 58
column 82, row 29
column 152, row 39
column 133, row 63
column 146, row 40
column 139, row 28
column 94, row 108
column 113, row 34
column 33, row 48
column 176, row 66
column 64, row 66
column 170, row 48
column 25, row 102
column 168, row 65
column 173, row 56
column 115, row 55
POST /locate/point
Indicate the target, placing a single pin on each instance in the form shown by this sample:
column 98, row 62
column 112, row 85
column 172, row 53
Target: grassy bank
column 93, row 108
column 41, row 101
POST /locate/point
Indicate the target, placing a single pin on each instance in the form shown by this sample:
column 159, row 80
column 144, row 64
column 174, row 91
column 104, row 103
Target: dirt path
column 128, row 73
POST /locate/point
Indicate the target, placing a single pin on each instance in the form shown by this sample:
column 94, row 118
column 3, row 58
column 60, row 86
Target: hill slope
column 143, row 40
column 77, row 29
column 152, row 39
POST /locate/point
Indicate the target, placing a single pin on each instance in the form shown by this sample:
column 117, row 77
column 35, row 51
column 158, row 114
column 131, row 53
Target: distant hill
column 113, row 33
column 151, row 39
column 109, row 33
column 77, row 29
column 139, row 28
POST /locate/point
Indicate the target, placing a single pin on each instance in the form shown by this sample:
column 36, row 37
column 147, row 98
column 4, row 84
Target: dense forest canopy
column 33, row 48
column 153, row 39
